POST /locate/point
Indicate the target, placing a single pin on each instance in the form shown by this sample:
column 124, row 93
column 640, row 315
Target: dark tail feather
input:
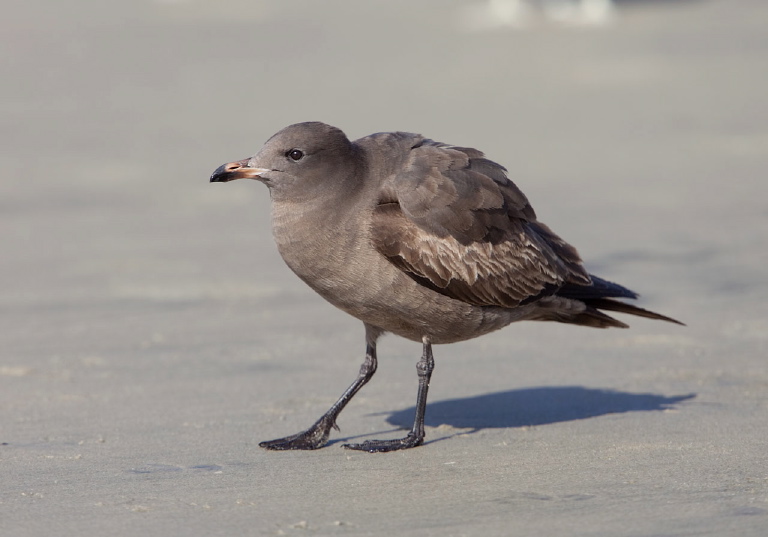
column 589, row 317
column 623, row 307
column 599, row 296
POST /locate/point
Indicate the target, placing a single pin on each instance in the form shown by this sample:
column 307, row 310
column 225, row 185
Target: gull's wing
column 454, row 222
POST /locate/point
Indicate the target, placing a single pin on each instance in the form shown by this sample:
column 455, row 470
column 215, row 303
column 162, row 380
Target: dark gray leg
column 317, row 436
column 416, row 436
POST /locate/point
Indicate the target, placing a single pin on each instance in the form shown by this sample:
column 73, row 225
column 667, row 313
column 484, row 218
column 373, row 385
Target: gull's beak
column 236, row 170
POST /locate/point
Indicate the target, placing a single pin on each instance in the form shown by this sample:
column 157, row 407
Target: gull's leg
column 317, row 435
column 416, row 436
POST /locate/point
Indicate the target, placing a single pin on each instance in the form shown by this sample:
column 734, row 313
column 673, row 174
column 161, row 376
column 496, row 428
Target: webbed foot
column 382, row 446
column 313, row 438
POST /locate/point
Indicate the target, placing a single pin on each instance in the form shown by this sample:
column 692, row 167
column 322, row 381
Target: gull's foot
column 313, row 438
column 382, row 446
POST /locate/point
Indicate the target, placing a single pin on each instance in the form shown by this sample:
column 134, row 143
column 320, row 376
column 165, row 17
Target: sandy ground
column 151, row 335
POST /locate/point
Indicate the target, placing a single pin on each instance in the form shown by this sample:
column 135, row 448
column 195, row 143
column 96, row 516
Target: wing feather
column 454, row 222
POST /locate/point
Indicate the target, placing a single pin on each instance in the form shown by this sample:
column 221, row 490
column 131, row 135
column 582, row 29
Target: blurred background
column 636, row 128
column 632, row 131
column 132, row 291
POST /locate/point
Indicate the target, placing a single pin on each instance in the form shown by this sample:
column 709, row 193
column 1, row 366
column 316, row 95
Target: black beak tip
column 220, row 175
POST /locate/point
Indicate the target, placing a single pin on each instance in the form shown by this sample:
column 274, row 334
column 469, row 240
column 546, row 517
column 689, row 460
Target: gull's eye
column 295, row 154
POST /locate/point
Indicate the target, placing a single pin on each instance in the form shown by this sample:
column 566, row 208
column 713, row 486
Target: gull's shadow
column 534, row 406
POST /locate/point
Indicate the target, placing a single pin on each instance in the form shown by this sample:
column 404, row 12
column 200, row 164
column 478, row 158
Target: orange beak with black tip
column 240, row 169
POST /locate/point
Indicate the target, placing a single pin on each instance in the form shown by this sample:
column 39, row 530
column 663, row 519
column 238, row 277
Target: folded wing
column 454, row 222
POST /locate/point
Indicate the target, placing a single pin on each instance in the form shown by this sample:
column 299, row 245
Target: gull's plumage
column 429, row 241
